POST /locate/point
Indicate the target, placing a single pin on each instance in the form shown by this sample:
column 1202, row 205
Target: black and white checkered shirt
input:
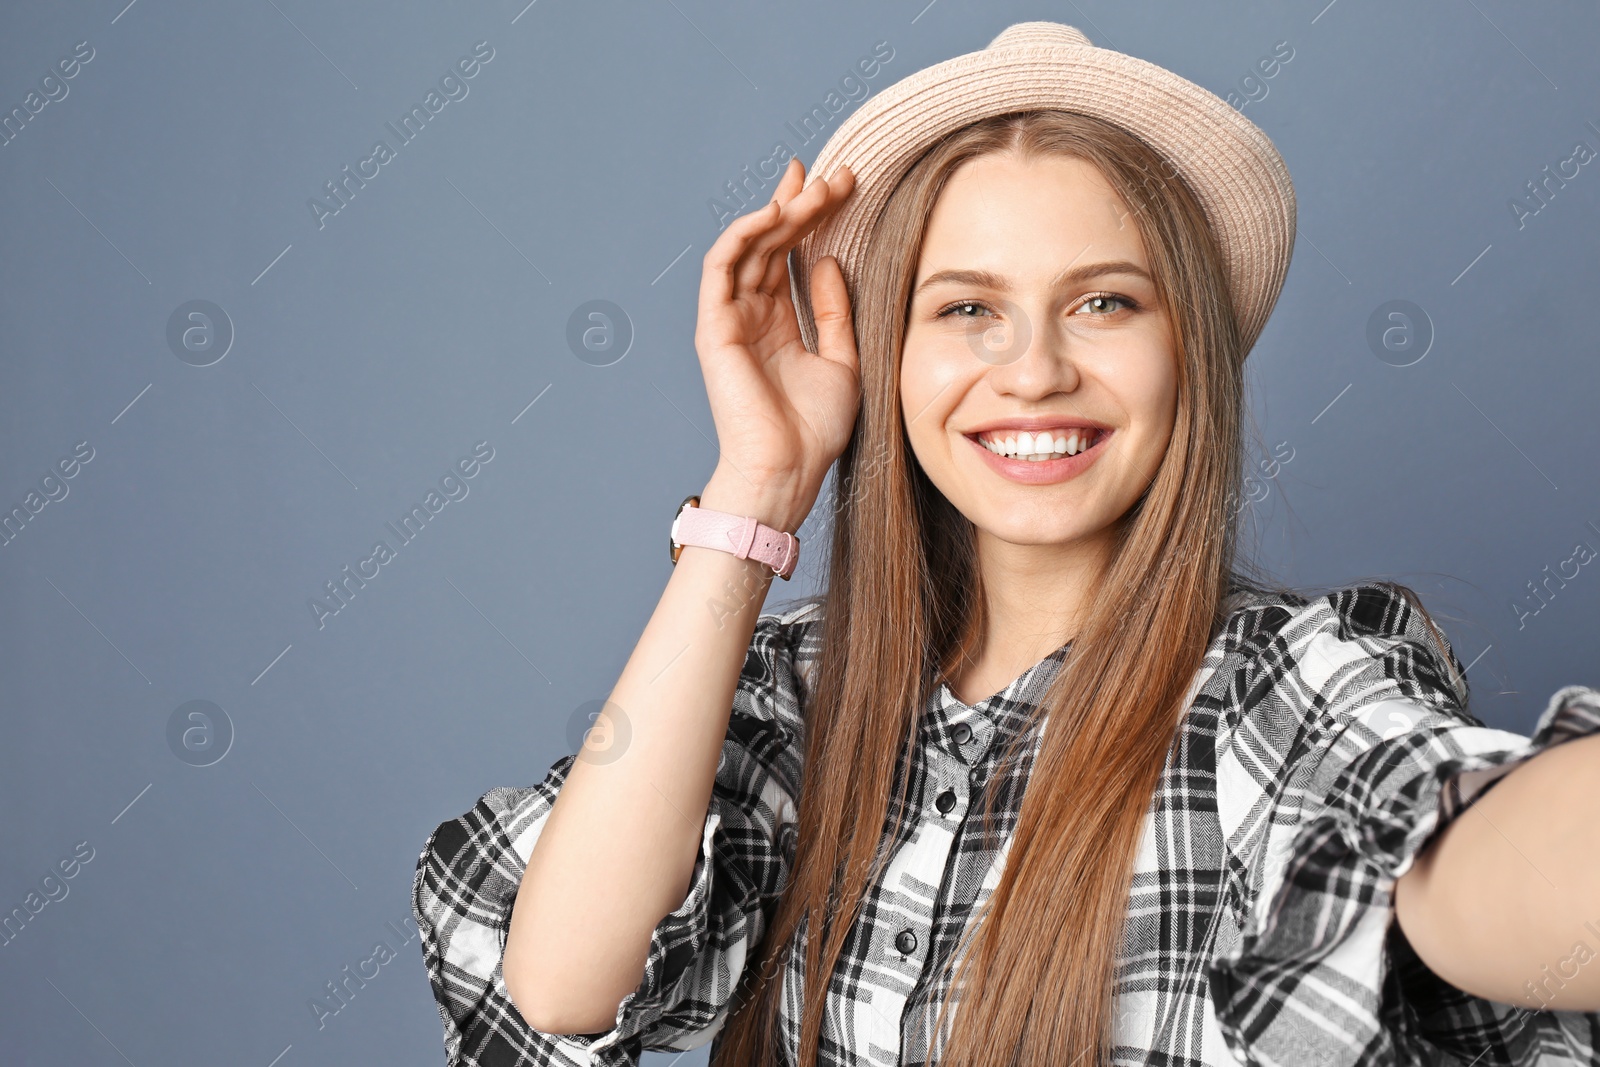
column 1324, row 744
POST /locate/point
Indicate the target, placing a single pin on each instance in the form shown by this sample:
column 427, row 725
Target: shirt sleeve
column 469, row 870
column 1378, row 753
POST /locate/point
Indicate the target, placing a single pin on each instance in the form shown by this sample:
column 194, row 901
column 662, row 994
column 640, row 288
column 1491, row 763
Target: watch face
column 692, row 500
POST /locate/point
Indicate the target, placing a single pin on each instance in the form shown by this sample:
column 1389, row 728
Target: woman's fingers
column 754, row 250
column 793, row 179
column 752, row 265
column 721, row 263
column 840, row 186
column 799, row 216
column 717, row 275
column 830, row 306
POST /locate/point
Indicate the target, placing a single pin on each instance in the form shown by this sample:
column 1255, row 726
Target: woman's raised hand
column 583, row 919
column 783, row 414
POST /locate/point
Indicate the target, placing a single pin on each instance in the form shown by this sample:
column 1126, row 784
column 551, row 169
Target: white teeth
column 1039, row 446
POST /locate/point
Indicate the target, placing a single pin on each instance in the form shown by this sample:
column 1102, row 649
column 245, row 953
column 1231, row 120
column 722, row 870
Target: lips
column 1038, row 422
column 1043, row 444
column 1041, row 471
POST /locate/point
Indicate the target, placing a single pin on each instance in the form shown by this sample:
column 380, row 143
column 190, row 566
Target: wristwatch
column 741, row 535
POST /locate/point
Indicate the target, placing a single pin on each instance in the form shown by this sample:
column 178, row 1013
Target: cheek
column 932, row 381
column 1148, row 384
column 915, row 380
column 1154, row 440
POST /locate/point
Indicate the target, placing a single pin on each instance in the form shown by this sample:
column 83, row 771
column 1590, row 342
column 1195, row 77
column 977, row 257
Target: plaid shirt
column 1324, row 745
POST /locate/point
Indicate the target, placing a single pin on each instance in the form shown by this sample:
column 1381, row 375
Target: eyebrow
column 988, row 279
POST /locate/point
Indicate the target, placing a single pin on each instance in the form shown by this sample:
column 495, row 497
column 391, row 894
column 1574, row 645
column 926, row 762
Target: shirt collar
column 968, row 730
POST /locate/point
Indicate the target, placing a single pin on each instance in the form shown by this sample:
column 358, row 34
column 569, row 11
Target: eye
column 963, row 306
column 1099, row 300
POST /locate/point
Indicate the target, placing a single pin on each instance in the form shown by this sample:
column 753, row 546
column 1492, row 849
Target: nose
column 1029, row 355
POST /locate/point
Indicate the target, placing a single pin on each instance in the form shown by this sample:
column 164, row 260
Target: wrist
column 782, row 507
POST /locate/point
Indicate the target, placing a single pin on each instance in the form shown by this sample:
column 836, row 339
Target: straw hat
column 1231, row 165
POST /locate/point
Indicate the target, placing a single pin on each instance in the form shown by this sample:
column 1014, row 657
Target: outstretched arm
column 1505, row 902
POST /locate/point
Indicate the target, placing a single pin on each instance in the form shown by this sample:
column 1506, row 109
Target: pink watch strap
column 741, row 535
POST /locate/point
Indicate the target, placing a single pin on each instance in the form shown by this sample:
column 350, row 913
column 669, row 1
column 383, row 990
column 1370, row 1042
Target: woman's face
column 1034, row 326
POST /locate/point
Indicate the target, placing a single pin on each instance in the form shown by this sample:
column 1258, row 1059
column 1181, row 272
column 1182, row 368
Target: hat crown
column 1036, row 33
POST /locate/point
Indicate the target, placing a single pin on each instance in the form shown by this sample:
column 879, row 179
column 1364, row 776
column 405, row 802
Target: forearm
column 618, row 848
column 1505, row 903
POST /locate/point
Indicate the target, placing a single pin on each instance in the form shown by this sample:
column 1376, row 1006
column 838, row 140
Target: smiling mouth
column 1039, row 446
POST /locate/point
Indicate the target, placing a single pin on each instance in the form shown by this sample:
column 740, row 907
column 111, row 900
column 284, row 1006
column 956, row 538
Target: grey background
column 372, row 353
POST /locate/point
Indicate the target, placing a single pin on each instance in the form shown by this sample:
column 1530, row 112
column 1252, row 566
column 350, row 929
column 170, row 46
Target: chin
column 1019, row 530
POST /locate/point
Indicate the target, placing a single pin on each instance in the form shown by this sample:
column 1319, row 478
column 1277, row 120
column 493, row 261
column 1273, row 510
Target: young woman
column 1042, row 777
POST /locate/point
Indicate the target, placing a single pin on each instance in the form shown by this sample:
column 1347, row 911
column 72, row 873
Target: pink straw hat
column 1232, row 166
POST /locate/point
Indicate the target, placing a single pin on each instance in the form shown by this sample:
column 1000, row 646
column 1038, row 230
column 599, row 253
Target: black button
column 906, row 942
column 945, row 801
column 962, row 733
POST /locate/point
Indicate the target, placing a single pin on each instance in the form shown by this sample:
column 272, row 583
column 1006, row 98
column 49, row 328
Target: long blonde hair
column 905, row 607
